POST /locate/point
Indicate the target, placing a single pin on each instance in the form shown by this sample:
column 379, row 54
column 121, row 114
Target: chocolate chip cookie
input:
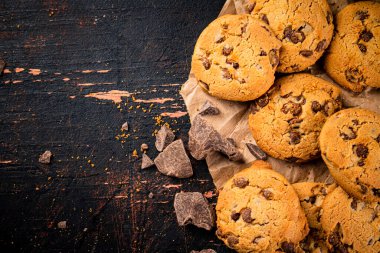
column 304, row 27
column 350, row 147
column 286, row 121
column 259, row 211
column 353, row 57
column 311, row 195
column 235, row 58
column 350, row 225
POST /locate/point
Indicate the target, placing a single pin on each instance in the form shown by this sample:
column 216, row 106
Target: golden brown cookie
column 287, row 120
column 235, row 58
column 304, row 27
column 311, row 195
column 259, row 211
column 350, row 147
column 353, row 57
column 350, row 225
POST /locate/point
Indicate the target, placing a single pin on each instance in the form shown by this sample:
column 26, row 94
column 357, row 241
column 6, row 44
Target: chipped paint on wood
column 35, row 72
column 154, row 100
column 168, row 186
column 176, row 114
column 18, row 70
column 113, row 95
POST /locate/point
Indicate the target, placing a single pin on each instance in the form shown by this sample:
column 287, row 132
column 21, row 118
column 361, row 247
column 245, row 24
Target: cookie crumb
column 45, row 158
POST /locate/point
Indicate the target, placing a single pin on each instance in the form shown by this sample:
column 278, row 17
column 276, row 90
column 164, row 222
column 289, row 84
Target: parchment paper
column 232, row 122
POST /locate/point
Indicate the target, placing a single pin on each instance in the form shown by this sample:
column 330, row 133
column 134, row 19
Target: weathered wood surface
column 68, row 62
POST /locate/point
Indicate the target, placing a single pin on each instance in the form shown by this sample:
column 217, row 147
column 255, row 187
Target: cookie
column 235, row 58
column 287, row 120
column 350, row 225
column 350, row 147
column 304, row 27
column 258, row 211
column 311, row 195
column 353, row 57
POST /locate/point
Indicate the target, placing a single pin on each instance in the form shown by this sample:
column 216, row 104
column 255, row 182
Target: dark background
column 94, row 183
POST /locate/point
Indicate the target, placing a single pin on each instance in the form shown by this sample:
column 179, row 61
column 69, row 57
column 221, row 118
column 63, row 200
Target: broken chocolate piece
column 361, row 150
column 125, row 126
column 246, row 215
column 362, row 48
column 146, row 162
column 235, row 216
column 353, row 75
column 206, row 63
column 295, row 138
column 321, row 46
column 227, row 50
column 362, row 15
column 2, row 66
column 164, row 137
column 256, row 151
column 174, row 162
column 366, row 35
column 241, row 182
column 203, row 139
column 267, row 194
column 306, row 53
column 204, row 251
column 232, row 240
column 45, row 158
column 209, row 108
column 193, row 208
column 316, row 106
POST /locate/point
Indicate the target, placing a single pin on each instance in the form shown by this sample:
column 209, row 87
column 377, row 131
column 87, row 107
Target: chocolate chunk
column 288, row 247
column 232, row 240
column 203, row 85
column 193, row 208
column 235, row 216
column 204, row 251
column 288, row 32
column 267, row 194
column 226, row 74
column 329, row 108
column 203, row 139
column 250, row 7
column 291, row 107
column 300, row 99
column 227, row 50
column 362, row 15
column 235, row 65
column 306, row 53
column 362, row 48
column 146, row 162
column 353, row 75
column 206, row 63
column 164, row 137
column 246, row 215
column 361, row 150
column 273, row 57
column 297, row 36
column 174, row 162
column 263, row 53
column 241, row 182
column 2, row 66
column 354, row 204
column 361, row 163
column 295, row 137
column 256, row 151
column 209, row 108
column 295, row 123
column 321, row 46
column 348, row 135
column 257, row 239
column 45, row 157
column 264, row 18
column 316, row 106
column 376, row 192
column 366, row 35
column 125, row 126
column 262, row 101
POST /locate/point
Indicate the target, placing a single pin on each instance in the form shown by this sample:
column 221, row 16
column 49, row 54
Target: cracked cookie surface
column 350, row 147
column 286, row 121
column 311, row 195
column 259, row 211
column 235, row 58
column 353, row 57
column 350, row 225
column 304, row 27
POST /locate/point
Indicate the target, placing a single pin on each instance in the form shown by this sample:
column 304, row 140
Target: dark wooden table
column 68, row 62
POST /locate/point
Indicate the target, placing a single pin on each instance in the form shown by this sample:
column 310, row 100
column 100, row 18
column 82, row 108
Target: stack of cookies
column 298, row 117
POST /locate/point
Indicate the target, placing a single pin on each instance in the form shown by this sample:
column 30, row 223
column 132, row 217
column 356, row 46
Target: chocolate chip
column 354, row 204
column 376, row 192
column 334, row 239
column 241, row 182
column 363, row 188
column 235, row 216
column 235, row 65
column 306, row 53
column 295, row 137
column 362, row 48
column 263, row 53
column 321, row 45
column 288, row 247
column 256, row 151
column 329, row 17
column 295, row 123
column 316, row 106
column 265, row 19
column 288, row 32
column 164, row 137
column 312, row 200
column 146, row 162
column 273, row 57
column 362, row 15
column 204, row 85
column 232, row 240
column 329, row 108
column 226, row 74
column 262, row 101
column 257, row 239
column 361, row 150
column 366, row 35
column 220, row 39
column 353, row 75
column 291, row 107
column 227, row 50
column 300, row 99
column 361, row 163
column 297, row 36
column 250, row 7
column 206, row 63
column 348, row 135
column 267, row 194
column 378, row 139
column 246, row 215
column 370, row 242
column 355, row 121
